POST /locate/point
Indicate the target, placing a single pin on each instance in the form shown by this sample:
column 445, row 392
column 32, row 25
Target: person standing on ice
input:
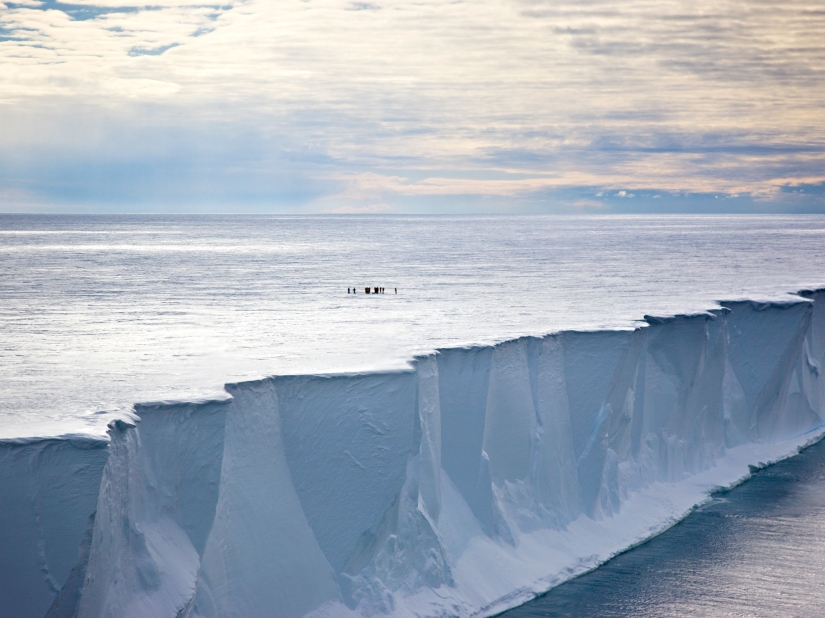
column 396, row 290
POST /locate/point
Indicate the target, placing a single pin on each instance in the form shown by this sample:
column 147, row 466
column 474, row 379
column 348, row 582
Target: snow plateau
column 464, row 486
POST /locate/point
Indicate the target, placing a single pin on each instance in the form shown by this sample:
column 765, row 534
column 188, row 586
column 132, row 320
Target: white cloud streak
column 364, row 102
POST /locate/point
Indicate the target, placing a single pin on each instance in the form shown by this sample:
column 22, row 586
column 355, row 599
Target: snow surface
column 100, row 313
column 462, row 486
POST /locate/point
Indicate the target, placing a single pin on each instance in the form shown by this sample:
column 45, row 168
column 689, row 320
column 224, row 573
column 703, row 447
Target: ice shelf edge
column 395, row 492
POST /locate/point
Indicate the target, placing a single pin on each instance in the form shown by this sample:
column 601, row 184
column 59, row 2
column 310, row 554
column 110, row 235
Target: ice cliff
column 475, row 480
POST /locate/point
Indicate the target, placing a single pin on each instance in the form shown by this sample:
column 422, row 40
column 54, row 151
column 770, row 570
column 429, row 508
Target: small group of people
column 378, row 290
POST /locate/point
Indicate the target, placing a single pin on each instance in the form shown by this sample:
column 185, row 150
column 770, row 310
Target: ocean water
column 97, row 312
column 757, row 550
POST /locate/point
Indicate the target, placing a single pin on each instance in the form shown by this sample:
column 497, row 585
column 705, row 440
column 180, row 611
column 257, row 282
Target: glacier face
column 464, row 486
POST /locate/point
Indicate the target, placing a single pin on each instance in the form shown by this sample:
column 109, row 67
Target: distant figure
column 366, row 290
column 376, row 290
column 396, row 290
column 347, row 290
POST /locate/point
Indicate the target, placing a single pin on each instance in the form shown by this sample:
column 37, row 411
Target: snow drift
column 466, row 485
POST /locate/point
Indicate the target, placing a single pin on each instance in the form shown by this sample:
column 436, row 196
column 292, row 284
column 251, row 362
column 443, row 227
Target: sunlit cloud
column 334, row 104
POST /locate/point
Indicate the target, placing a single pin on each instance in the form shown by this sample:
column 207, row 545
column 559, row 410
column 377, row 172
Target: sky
column 426, row 106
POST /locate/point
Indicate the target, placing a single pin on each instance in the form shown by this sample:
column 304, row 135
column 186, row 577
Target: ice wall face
column 479, row 478
column 154, row 511
column 260, row 552
column 48, row 492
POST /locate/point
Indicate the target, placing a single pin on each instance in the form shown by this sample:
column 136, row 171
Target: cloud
column 509, row 100
column 585, row 204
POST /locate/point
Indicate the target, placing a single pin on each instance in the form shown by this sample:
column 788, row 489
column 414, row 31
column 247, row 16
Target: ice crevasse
column 464, row 486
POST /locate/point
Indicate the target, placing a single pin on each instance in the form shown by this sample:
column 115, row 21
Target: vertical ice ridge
column 762, row 341
column 261, row 557
column 156, row 505
column 347, row 440
column 406, row 552
column 66, row 605
column 510, row 420
column 812, row 380
column 676, row 364
column 464, row 376
column 429, row 417
column 776, row 415
column 155, row 508
column 594, row 368
column 558, row 488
